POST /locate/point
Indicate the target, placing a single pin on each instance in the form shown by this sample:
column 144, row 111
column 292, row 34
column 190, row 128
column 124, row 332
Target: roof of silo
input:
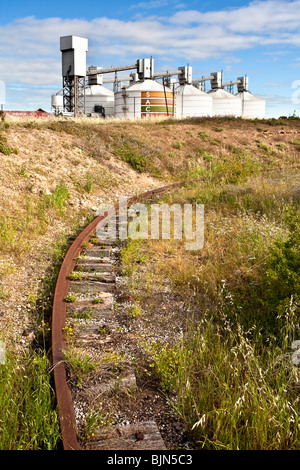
column 147, row 85
column 98, row 90
column 221, row 94
column 247, row 96
column 189, row 90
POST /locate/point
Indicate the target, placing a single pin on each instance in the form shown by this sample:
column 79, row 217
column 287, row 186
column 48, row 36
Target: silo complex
column 145, row 96
column 192, row 102
column 144, row 99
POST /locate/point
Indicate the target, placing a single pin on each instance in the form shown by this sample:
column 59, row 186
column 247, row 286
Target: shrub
column 4, row 148
column 58, row 199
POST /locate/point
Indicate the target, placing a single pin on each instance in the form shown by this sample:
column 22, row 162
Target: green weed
column 97, row 301
column 95, row 419
column 80, row 364
column 139, row 155
column 70, row 298
column 28, row 417
column 204, row 136
column 58, row 199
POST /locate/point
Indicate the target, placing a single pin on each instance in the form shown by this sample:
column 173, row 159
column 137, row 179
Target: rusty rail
column 70, row 438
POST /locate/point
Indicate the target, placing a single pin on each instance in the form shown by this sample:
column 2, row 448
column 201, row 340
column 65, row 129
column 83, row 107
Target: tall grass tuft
column 28, row 419
column 230, row 391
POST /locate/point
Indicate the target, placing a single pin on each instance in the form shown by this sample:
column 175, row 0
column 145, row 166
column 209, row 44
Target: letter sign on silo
column 156, row 103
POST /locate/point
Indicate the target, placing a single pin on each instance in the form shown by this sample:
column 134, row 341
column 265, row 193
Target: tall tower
column 74, row 49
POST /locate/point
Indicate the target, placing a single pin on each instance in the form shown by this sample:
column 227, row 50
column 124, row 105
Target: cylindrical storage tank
column 225, row 104
column 252, row 106
column 57, row 101
column 96, row 96
column 192, row 102
column 144, row 99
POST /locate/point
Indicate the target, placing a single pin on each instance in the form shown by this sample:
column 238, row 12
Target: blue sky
column 259, row 38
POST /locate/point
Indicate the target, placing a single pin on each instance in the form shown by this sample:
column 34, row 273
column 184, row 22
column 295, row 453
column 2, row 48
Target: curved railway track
column 101, row 281
column 97, row 258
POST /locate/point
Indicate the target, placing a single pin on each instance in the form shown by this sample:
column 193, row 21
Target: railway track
column 88, row 277
column 85, row 290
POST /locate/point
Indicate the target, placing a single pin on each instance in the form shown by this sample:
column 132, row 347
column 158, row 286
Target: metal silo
column 192, row 102
column 224, row 103
column 57, row 102
column 98, row 99
column 252, row 106
column 144, row 99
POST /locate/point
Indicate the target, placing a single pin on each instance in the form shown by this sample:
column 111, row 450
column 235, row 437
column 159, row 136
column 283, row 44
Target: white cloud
column 149, row 5
column 257, row 17
column 189, row 35
column 277, row 84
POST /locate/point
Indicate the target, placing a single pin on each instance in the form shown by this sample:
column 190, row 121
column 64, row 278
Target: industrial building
column 141, row 94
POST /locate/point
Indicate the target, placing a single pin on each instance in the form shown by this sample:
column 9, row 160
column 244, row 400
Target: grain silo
column 144, row 98
column 98, row 99
column 190, row 101
column 252, row 106
column 57, row 102
column 224, row 103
